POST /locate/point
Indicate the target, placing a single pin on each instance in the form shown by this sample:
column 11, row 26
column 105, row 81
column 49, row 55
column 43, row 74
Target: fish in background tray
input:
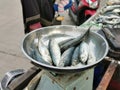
column 109, row 15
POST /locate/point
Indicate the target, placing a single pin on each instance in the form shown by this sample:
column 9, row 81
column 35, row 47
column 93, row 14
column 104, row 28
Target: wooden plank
column 21, row 82
column 107, row 76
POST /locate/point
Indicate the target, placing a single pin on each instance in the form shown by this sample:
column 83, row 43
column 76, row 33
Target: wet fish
column 112, row 22
column 55, row 52
column 61, row 40
column 110, row 16
column 58, row 37
column 44, row 52
column 83, row 52
column 108, row 32
column 36, row 55
column 117, row 10
column 75, row 57
column 66, row 57
column 64, row 41
column 109, row 21
column 109, row 8
column 91, row 58
column 75, row 41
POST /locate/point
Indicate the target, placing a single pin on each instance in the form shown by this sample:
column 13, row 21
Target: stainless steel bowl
column 97, row 44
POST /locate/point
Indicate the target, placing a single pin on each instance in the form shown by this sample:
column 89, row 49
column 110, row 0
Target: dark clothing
column 37, row 11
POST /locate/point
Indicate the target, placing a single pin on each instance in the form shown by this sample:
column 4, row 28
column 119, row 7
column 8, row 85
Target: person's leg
column 31, row 14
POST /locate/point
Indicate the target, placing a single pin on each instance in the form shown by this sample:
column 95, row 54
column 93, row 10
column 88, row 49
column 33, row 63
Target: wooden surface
column 107, row 76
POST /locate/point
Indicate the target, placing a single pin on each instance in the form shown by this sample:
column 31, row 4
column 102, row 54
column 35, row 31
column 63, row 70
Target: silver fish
column 55, row 52
column 75, row 57
column 58, row 37
column 109, row 8
column 64, row 41
column 108, row 32
column 66, row 57
column 75, row 41
column 44, row 52
column 110, row 16
column 91, row 58
column 83, row 52
column 117, row 10
column 112, row 22
column 36, row 55
column 55, row 35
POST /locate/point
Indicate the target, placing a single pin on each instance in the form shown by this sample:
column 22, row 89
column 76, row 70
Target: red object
column 35, row 26
column 90, row 12
column 73, row 8
column 83, row 4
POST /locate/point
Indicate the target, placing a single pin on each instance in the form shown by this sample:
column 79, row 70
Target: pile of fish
column 70, row 52
column 109, row 15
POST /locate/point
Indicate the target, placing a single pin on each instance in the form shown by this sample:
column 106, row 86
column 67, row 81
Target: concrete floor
column 11, row 36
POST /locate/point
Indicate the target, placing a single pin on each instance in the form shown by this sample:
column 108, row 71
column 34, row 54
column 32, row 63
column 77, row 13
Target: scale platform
column 77, row 81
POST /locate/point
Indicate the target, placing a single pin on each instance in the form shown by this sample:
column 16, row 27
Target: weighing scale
column 60, row 78
column 75, row 81
column 66, row 78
